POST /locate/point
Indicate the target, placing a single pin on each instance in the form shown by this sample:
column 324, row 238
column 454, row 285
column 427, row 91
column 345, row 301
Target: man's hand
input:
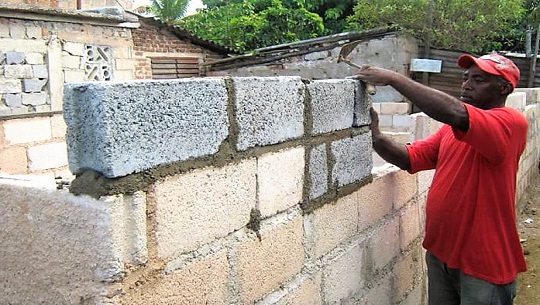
column 375, row 131
column 374, row 75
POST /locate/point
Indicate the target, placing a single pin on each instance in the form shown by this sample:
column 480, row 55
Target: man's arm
column 436, row 104
column 391, row 151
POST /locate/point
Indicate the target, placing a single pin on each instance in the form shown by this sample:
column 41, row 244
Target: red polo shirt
column 470, row 213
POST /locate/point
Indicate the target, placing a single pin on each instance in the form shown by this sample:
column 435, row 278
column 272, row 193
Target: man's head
column 488, row 79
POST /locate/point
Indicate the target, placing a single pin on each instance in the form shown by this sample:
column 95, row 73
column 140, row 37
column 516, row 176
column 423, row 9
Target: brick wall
column 154, row 39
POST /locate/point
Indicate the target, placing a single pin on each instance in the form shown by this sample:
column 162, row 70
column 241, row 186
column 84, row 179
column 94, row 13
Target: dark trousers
column 447, row 286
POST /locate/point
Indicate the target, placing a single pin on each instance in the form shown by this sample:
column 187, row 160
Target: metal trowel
column 344, row 53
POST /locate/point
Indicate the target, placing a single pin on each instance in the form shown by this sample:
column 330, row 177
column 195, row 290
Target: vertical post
column 532, row 71
column 427, row 43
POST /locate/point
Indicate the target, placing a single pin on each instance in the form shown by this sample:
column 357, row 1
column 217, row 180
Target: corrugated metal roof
column 281, row 51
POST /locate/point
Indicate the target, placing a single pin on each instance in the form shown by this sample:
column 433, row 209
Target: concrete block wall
column 260, row 188
column 36, row 58
column 292, row 215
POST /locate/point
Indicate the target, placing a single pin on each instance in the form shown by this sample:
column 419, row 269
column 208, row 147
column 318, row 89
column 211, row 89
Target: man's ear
column 506, row 88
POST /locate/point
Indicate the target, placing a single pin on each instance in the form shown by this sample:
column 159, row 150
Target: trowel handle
column 370, row 89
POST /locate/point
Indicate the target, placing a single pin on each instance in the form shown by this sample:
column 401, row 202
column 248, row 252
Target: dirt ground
column 529, row 230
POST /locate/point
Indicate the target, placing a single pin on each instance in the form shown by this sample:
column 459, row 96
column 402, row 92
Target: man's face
column 481, row 89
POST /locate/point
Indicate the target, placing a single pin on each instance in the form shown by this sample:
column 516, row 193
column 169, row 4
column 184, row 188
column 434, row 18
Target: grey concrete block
column 318, row 171
column 13, row 100
column 69, row 256
column 18, row 71
column 353, row 159
column 33, row 84
column 332, row 104
column 34, row 99
column 14, row 58
column 40, row 71
column 362, row 103
column 269, row 110
column 10, row 86
column 118, row 128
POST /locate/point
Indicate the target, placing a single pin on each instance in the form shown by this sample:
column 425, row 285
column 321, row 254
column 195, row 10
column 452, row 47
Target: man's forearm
column 391, row 151
column 436, row 104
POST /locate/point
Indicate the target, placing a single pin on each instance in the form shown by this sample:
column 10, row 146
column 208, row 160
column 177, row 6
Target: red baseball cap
column 494, row 64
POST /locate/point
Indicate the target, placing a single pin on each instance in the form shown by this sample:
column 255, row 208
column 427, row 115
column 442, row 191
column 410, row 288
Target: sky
column 193, row 5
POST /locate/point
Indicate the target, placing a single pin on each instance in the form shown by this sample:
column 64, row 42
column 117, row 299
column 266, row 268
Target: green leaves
column 169, row 10
column 251, row 24
column 458, row 24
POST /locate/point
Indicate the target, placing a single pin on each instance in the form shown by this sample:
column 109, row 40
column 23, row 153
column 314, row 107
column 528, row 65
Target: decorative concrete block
column 318, row 171
column 353, row 159
column 119, row 128
column 332, row 104
column 270, row 110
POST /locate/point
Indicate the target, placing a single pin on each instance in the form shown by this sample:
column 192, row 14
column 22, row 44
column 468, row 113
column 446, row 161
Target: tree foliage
column 247, row 25
column 458, row 24
column 169, row 10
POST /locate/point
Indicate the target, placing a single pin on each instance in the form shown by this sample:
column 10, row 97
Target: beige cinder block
column 263, row 265
column 13, row 160
column 344, row 276
column 280, row 177
column 197, row 207
column 27, row 130
column 307, row 293
column 332, row 224
column 199, row 283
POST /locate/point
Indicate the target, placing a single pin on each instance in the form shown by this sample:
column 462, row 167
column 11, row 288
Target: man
column 473, row 249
